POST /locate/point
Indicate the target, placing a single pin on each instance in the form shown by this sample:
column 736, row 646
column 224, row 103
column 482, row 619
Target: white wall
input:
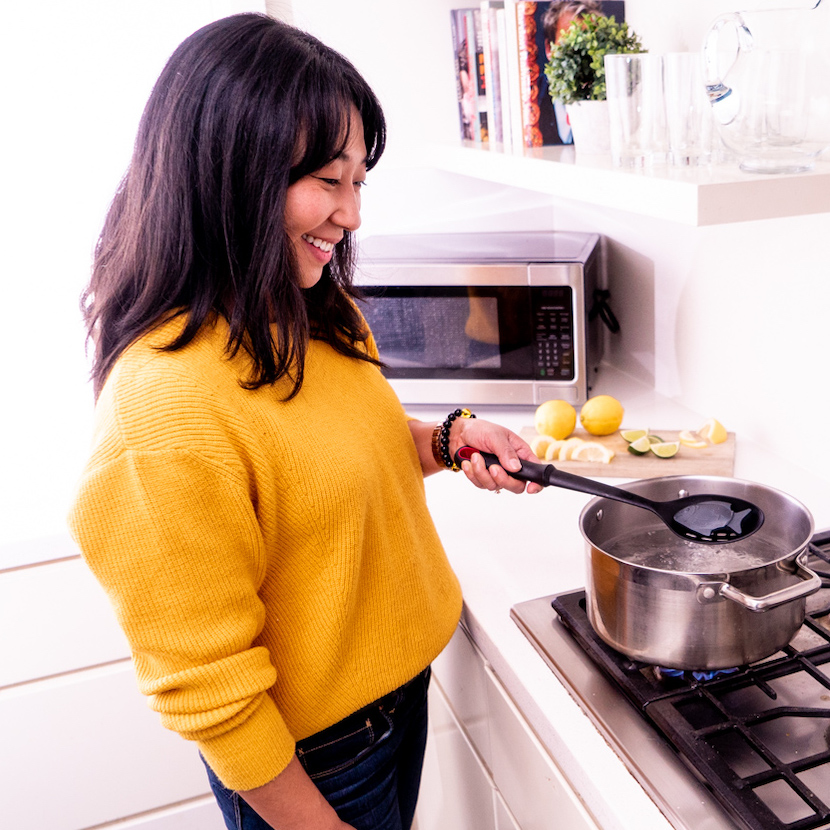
column 729, row 320
column 75, row 79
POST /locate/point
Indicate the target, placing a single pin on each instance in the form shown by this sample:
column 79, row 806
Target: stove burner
column 757, row 736
column 662, row 672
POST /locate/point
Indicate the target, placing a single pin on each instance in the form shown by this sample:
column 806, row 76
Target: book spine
column 492, row 84
column 511, row 67
column 504, row 80
column 528, row 72
column 477, row 42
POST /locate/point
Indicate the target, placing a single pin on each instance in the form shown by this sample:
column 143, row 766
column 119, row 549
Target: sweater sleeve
column 172, row 536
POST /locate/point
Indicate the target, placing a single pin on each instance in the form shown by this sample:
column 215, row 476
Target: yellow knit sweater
column 273, row 564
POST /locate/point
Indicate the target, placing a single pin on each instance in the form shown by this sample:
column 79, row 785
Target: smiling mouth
column 326, row 247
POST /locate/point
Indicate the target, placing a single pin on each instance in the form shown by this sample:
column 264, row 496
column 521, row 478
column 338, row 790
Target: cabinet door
column 456, row 788
column 200, row 814
column 84, row 749
column 505, row 820
column 533, row 787
column 55, row 618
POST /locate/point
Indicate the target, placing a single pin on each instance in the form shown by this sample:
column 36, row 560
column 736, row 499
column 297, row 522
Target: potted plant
column 576, row 74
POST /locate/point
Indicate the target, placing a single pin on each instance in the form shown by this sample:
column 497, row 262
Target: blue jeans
column 367, row 766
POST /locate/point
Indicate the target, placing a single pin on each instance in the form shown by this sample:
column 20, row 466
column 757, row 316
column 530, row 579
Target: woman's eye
column 332, row 182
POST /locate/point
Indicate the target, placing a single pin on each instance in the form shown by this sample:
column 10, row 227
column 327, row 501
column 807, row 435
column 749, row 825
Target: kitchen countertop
column 508, row 549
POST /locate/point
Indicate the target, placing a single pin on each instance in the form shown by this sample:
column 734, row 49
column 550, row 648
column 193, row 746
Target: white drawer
column 532, row 785
column 460, row 672
column 456, row 789
column 85, row 749
column 200, row 814
column 55, row 618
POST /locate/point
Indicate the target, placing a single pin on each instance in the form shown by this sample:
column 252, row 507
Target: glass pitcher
column 768, row 80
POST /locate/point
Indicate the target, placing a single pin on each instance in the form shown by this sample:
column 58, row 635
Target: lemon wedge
column 567, row 448
column 540, row 445
column 641, row 446
column 665, row 450
column 692, row 439
column 714, row 431
column 552, row 453
column 592, row 451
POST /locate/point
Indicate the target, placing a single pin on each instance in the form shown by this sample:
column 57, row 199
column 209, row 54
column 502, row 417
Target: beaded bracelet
column 441, row 439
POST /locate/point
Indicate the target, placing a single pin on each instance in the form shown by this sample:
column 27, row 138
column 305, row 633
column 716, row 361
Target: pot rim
column 639, row 485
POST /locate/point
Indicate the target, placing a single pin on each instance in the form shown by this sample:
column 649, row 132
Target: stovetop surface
column 751, row 749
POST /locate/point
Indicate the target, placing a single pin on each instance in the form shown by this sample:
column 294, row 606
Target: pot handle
column 810, row 583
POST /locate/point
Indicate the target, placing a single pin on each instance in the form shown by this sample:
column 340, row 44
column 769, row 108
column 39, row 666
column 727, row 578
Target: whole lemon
column 556, row 419
column 601, row 415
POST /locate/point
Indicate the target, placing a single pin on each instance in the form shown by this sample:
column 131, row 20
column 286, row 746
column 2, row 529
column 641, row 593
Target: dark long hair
column 244, row 108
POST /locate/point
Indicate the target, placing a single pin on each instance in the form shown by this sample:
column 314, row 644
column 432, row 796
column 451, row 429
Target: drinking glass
column 637, row 110
column 689, row 117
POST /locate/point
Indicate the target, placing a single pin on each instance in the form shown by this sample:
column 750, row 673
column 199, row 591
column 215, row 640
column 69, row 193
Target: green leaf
column 576, row 69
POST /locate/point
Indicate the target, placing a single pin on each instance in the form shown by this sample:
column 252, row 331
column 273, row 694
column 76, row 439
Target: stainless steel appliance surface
column 511, row 318
column 747, row 748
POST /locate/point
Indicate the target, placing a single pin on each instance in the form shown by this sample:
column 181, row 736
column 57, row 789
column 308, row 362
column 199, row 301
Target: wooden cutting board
column 713, row 460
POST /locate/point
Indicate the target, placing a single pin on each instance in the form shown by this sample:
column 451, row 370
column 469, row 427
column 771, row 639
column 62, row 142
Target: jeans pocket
column 345, row 744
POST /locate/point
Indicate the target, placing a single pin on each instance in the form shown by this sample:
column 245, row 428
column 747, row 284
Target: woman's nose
column 347, row 214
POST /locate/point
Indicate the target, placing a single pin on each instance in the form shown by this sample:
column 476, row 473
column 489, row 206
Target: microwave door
column 453, row 333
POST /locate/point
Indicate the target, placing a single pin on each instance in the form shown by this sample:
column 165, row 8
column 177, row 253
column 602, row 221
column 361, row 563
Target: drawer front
column 200, row 814
column 532, row 785
column 456, row 788
column 55, row 618
column 460, row 672
column 90, row 741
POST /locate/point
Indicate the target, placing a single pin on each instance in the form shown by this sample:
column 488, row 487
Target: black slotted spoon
column 707, row 518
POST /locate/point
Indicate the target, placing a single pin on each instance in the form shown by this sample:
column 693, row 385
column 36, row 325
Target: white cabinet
column 485, row 768
column 81, row 748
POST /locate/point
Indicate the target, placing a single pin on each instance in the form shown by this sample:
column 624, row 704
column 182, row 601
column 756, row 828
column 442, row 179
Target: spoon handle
column 547, row 475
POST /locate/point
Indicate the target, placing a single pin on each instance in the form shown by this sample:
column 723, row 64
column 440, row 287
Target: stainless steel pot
column 661, row 600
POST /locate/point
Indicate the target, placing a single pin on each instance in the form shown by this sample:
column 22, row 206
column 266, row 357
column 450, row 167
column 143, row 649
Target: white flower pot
column 591, row 127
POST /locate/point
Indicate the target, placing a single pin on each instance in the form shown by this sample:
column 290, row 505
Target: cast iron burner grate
column 759, row 737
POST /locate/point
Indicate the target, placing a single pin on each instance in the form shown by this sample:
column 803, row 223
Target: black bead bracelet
column 441, row 439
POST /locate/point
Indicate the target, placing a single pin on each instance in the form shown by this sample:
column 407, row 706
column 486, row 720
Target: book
column 475, row 48
column 471, row 84
column 544, row 122
column 465, row 89
column 490, row 55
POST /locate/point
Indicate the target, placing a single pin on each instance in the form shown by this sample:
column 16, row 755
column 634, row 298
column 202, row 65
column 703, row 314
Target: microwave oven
column 484, row 318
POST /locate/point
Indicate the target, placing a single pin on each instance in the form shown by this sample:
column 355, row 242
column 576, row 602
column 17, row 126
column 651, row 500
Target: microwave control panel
column 553, row 333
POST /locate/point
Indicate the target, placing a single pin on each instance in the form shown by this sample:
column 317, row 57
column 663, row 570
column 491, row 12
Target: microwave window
column 448, row 331
column 436, row 332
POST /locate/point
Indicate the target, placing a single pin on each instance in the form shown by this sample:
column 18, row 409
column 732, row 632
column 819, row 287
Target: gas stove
column 746, row 749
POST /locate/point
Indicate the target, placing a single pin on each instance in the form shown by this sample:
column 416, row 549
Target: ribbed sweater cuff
column 253, row 753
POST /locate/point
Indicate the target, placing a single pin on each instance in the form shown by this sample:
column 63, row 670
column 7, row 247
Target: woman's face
column 322, row 206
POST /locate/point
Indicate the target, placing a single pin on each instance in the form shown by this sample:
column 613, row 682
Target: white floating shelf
column 706, row 195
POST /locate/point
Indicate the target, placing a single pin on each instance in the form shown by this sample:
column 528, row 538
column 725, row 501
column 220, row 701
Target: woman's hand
column 509, row 447
column 292, row 802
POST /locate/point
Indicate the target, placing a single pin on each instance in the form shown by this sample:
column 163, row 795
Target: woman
column 254, row 503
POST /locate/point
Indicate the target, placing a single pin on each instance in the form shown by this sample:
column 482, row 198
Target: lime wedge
column 631, row 435
column 655, row 439
column 666, row 449
column 641, row 446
